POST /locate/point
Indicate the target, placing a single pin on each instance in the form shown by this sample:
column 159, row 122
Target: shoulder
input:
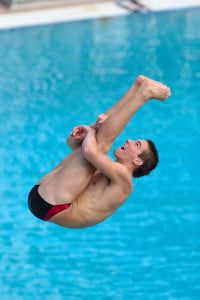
column 122, row 171
column 123, row 179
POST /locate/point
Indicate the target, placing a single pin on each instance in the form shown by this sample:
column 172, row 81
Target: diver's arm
column 75, row 139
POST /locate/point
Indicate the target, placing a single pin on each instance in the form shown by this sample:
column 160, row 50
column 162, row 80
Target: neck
column 129, row 166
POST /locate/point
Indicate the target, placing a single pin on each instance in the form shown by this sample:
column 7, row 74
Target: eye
column 138, row 144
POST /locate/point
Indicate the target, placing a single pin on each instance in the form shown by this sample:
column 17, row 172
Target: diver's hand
column 80, row 132
column 99, row 121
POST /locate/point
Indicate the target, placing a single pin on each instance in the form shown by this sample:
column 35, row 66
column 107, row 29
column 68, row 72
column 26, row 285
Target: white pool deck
column 31, row 16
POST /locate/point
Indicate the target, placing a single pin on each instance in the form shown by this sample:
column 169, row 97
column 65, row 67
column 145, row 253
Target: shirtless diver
column 87, row 186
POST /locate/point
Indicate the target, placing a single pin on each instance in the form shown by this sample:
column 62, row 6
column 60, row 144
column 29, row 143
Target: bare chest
column 99, row 182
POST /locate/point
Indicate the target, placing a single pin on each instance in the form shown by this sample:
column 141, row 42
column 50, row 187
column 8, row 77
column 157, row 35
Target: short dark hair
column 150, row 160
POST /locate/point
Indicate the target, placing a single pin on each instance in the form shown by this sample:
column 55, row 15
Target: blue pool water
column 58, row 76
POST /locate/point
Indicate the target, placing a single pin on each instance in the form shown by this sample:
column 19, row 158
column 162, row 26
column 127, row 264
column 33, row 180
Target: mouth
column 122, row 147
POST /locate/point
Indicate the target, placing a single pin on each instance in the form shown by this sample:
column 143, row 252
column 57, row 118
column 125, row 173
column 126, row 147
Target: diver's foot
column 152, row 89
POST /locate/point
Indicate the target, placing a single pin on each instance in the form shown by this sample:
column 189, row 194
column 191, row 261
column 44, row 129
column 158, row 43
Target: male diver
column 87, row 186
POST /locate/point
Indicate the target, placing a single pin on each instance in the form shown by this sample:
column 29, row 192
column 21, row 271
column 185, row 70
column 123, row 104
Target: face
column 131, row 150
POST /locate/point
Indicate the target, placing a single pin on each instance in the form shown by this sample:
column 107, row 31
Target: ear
column 138, row 162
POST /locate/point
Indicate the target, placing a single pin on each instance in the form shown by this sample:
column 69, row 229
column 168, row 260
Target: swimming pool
column 57, row 76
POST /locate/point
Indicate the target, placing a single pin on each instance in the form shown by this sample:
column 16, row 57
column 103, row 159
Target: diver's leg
column 74, row 173
column 145, row 89
column 130, row 93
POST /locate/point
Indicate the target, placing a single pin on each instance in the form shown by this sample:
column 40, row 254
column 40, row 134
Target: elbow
column 68, row 141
